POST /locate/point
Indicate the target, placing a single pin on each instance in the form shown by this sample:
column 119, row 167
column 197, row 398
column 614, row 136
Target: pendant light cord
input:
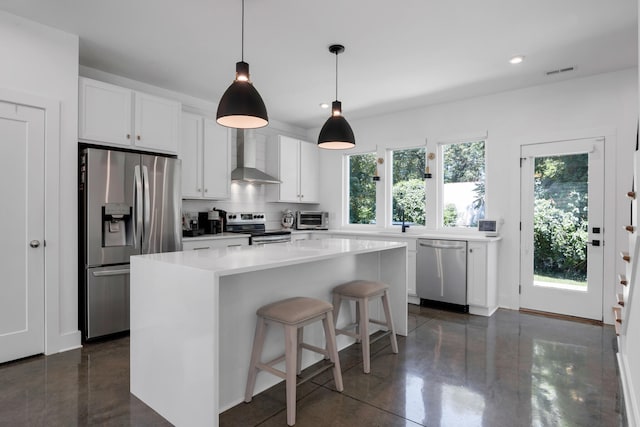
column 336, row 75
column 242, row 39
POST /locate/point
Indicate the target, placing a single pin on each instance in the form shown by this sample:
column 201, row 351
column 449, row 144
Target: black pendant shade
column 241, row 106
column 336, row 134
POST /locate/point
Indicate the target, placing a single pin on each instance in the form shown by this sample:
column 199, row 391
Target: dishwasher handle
column 437, row 246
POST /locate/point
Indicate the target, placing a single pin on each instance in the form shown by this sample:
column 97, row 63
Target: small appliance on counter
column 288, row 219
column 190, row 225
column 210, row 221
column 312, row 220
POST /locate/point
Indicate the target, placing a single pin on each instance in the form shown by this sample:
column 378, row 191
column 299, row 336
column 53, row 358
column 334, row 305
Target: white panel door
column 22, row 229
column 562, row 237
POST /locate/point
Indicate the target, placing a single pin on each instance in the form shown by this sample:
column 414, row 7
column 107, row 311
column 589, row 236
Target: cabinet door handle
column 138, row 138
column 198, row 190
column 204, row 247
column 128, row 136
column 206, row 190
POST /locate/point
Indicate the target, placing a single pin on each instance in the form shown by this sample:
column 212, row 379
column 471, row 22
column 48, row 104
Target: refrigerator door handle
column 146, row 211
column 103, row 273
column 137, row 191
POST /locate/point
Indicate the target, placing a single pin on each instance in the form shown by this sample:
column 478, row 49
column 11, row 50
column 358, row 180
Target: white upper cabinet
column 105, row 112
column 295, row 163
column 204, row 151
column 107, row 115
column 157, row 123
column 191, row 155
column 216, row 152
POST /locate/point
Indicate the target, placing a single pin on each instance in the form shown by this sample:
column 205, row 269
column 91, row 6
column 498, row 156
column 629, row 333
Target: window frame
column 388, row 190
column 439, row 175
column 346, row 199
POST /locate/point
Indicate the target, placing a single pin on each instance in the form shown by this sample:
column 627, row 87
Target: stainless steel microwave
column 312, row 220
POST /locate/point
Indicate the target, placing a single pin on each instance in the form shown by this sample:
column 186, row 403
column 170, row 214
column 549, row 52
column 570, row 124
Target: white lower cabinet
column 482, row 280
column 213, row 243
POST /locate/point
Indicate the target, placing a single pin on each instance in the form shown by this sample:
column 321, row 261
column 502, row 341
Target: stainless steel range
column 254, row 223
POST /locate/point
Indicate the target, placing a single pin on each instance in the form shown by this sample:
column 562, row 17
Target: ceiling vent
column 560, row 71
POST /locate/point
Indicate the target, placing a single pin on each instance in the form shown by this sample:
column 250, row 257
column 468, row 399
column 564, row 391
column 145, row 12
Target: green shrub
column 560, row 237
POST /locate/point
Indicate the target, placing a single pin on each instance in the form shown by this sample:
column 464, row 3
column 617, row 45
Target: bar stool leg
column 256, row 352
column 337, row 302
column 291, row 353
column 330, row 338
column 363, row 323
column 299, row 356
column 387, row 314
column 358, row 321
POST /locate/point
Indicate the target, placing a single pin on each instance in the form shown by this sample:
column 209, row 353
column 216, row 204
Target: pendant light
column 241, row 106
column 336, row 134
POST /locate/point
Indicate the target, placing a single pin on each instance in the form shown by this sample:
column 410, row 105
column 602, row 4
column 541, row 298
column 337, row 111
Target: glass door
column 561, row 230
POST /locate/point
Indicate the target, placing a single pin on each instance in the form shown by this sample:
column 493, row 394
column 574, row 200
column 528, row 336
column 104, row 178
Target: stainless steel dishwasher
column 441, row 273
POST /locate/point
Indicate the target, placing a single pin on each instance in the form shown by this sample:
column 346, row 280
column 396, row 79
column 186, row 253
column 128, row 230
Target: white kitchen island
column 193, row 315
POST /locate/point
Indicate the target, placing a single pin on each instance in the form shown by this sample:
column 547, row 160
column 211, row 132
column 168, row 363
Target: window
column 362, row 188
column 407, row 186
column 463, row 184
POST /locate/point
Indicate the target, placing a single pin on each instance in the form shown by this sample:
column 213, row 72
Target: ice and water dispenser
column 117, row 229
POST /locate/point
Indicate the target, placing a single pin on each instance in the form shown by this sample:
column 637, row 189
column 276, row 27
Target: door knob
column 34, row 243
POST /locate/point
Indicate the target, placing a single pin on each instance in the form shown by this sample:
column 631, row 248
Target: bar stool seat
column 362, row 291
column 293, row 314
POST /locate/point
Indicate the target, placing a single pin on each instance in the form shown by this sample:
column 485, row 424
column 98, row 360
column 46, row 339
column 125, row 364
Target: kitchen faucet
column 404, row 226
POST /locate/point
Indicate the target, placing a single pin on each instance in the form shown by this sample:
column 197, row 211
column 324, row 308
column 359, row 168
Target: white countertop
column 243, row 259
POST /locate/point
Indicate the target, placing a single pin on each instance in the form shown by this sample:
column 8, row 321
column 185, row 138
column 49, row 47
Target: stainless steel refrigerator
column 129, row 205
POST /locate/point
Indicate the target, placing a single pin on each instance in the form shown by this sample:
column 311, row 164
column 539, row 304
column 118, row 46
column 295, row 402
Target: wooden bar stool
column 361, row 291
column 293, row 314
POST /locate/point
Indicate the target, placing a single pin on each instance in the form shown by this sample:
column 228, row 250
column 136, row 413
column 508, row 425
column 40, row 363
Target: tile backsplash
column 248, row 198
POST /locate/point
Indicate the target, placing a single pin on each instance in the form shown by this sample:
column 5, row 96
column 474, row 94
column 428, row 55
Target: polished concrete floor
column 512, row 369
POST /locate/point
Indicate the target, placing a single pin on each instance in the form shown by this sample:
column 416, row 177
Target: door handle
column 137, row 191
column 111, row 272
column 594, row 243
column 34, row 243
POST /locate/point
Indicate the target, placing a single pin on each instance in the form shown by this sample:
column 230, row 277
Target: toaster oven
column 312, row 220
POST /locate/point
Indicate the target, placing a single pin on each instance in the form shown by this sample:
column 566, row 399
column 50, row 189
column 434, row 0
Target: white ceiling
column 399, row 54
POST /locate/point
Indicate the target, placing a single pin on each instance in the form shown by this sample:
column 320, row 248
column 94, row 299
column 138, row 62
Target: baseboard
column 630, row 399
column 562, row 317
column 69, row 341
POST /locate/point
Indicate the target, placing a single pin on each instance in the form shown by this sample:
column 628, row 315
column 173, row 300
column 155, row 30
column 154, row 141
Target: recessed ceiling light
column 516, row 59
column 324, row 105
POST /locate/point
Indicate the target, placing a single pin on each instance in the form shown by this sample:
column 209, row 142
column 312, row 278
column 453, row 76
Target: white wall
column 601, row 105
column 42, row 61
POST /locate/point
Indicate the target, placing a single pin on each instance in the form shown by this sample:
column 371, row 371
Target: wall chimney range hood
column 246, row 170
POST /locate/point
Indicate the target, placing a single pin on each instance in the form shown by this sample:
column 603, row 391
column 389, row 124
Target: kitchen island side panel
column 174, row 340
